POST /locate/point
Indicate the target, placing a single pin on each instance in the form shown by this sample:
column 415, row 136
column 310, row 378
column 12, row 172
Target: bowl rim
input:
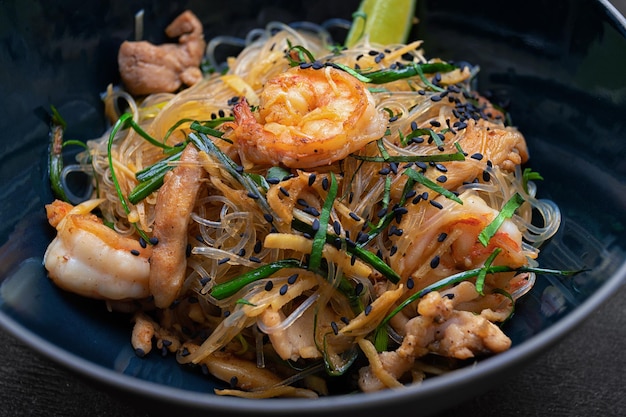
column 524, row 351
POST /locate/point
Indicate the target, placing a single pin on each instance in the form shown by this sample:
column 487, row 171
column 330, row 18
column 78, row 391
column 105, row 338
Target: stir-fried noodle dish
column 302, row 214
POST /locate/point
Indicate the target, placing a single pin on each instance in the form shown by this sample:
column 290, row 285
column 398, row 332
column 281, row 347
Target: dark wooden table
column 583, row 375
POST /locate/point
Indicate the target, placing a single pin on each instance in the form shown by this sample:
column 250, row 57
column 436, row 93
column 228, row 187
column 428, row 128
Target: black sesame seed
column 142, row 242
column 311, row 179
column 140, row 352
column 252, row 195
column 185, row 352
column 441, row 167
column 442, row 236
column 223, row 261
column 344, row 319
column 442, row 179
column 316, row 225
column 410, row 283
column 258, row 246
column 449, row 296
column 135, row 252
column 302, row 202
column 284, row 191
column 305, row 65
column 325, row 183
column 273, row 180
column 226, row 313
column 382, row 212
column 358, row 288
column 362, row 237
column 336, row 227
column 283, row 289
column 154, row 240
column 268, row 217
column 255, row 259
column 393, row 250
column 434, row 263
column 477, row 156
column 242, row 252
column 233, row 381
column 312, row 211
column 435, row 98
column 373, row 53
column 335, row 328
column 368, row 309
column 292, row 279
column 354, row 216
column 384, row 171
column 486, row 176
column 414, row 125
column 435, row 204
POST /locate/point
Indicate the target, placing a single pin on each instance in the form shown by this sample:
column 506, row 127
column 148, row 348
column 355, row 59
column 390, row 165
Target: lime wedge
column 383, row 21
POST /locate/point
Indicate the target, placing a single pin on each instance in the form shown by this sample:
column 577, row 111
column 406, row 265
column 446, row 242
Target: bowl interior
column 558, row 70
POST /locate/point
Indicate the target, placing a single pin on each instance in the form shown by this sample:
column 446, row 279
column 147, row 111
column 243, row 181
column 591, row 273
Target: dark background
column 581, row 376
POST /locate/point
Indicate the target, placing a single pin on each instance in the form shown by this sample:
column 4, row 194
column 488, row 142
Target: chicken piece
column 441, row 329
column 146, row 68
column 175, row 202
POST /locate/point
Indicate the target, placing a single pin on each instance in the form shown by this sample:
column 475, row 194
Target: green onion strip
column 319, row 240
column 507, row 211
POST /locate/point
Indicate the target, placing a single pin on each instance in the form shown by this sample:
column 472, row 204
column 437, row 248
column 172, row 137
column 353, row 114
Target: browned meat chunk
column 146, row 68
column 175, row 202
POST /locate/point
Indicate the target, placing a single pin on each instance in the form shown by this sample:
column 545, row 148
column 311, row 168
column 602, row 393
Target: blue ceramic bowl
column 559, row 69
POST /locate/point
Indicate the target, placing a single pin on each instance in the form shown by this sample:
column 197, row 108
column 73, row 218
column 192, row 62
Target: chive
column 418, row 177
column 363, row 254
column 151, row 178
column 205, row 144
column 203, row 124
column 302, row 53
column 465, row 275
column 226, row 289
column 507, row 211
column 55, row 155
column 119, row 124
column 480, row 279
column 207, row 130
column 158, row 167
column 319, row 240
column 127, row 118
column 529, row 175
column 459, row 155
column 388, row 217
column 388, row 75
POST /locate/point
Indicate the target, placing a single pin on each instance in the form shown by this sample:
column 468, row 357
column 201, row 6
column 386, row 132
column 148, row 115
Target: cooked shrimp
column 146, row 68
column 89, row 258
column 307, row 118
column 445, row 241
